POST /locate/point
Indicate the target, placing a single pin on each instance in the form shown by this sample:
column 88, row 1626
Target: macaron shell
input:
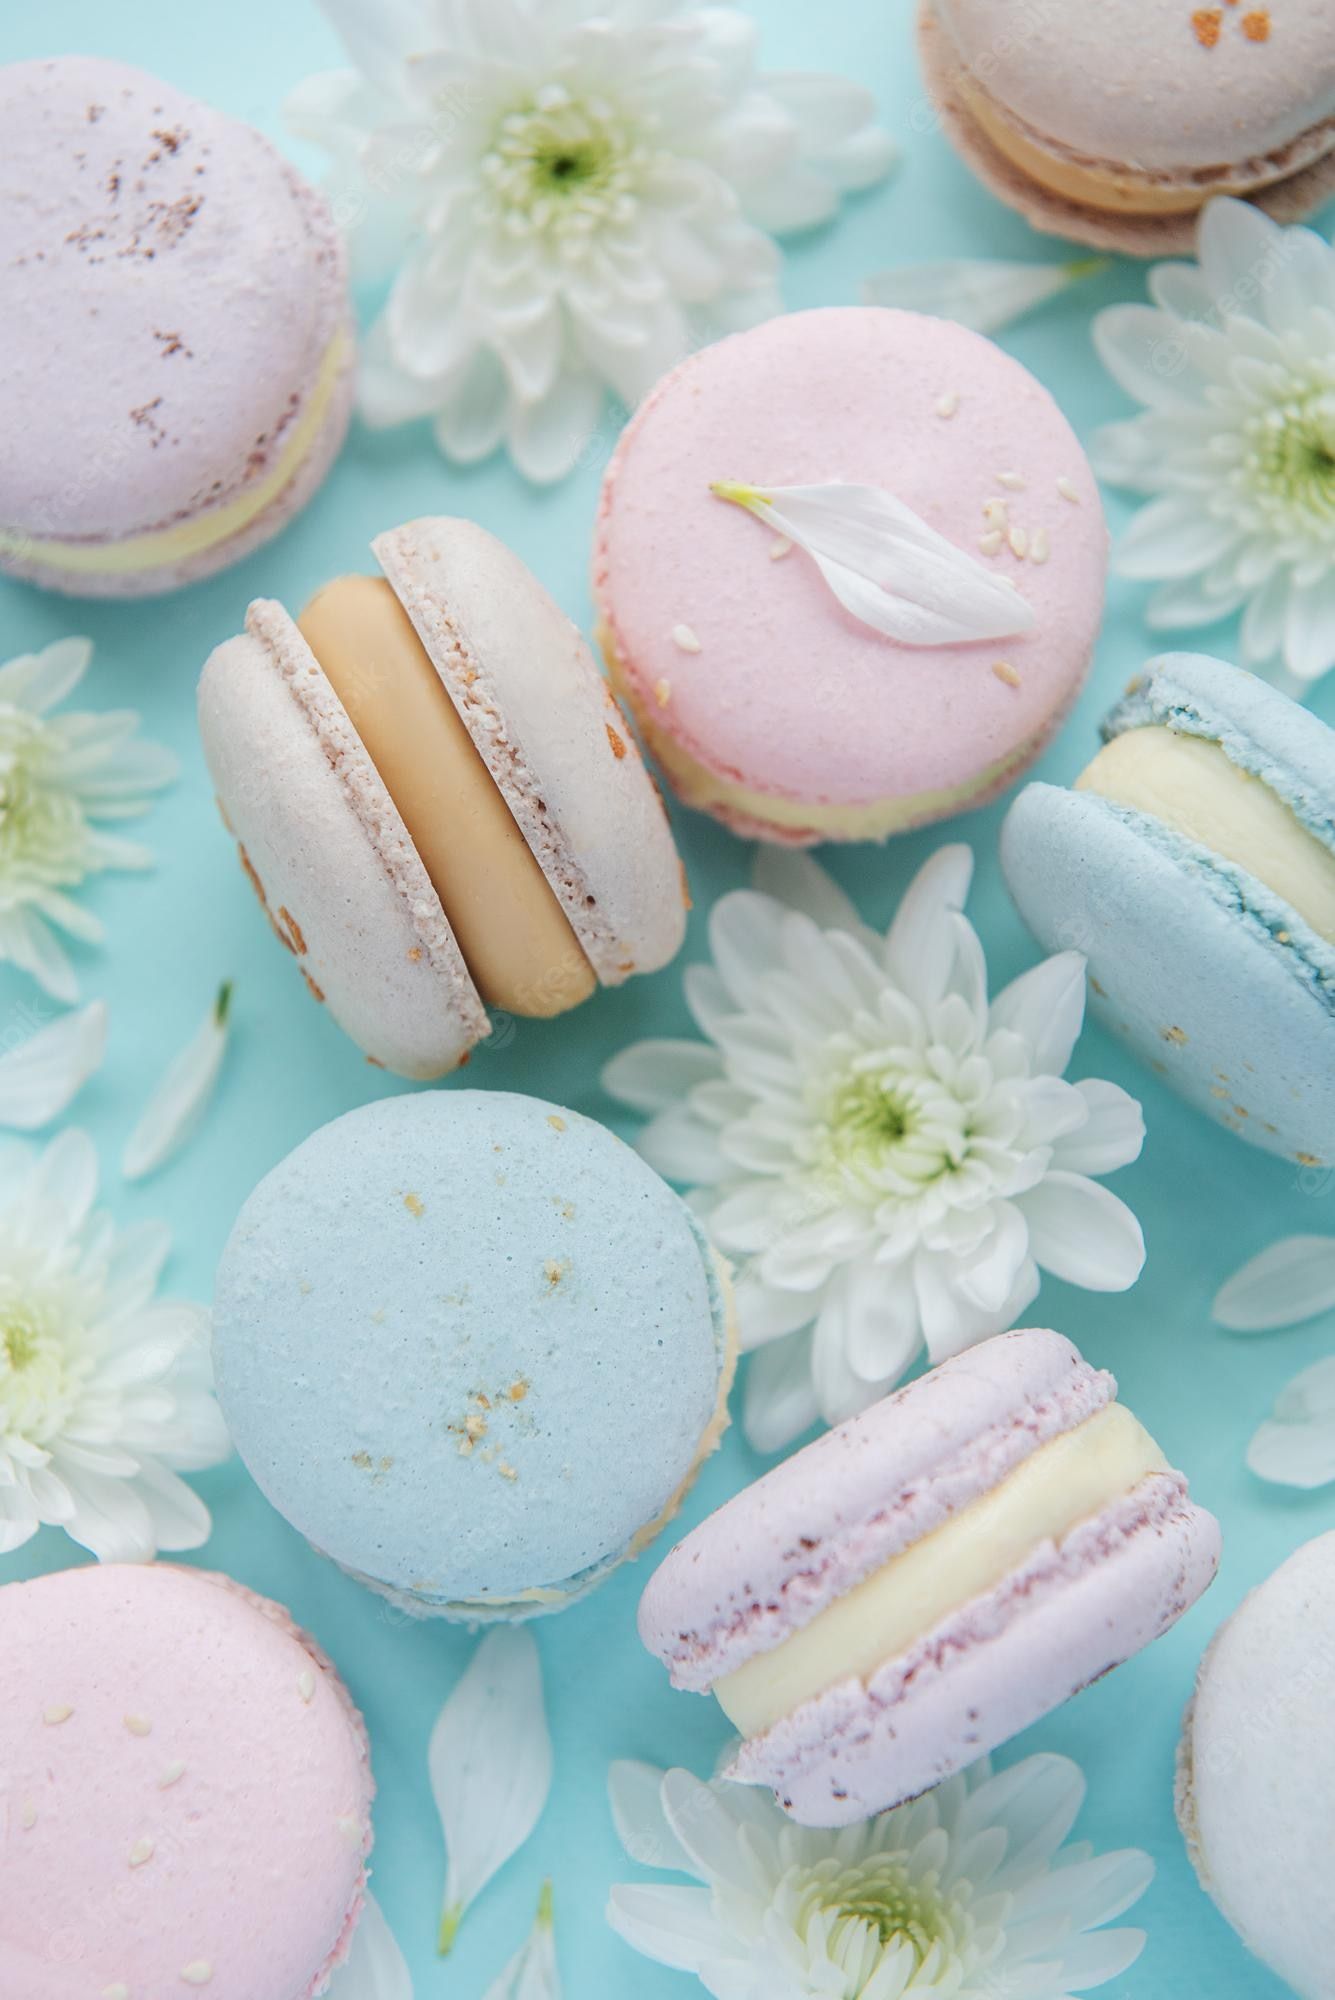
column 328, row 854
column 1131, row 84
column 470, row 1345
column 1211, row 978
column 242, row 1762
column 1007, row 1659
column 178, row 290
column 1290, row 200
column 544, row 721
column 788, row 695
column 1256, row 1770
column 777, row 1554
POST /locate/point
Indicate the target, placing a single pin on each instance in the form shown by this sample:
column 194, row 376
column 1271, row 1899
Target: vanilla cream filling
column 205, row 531
column 1119, row 191
column 708, row 792
column 1063, row 1483
column 1191, row 784
column 516, row 939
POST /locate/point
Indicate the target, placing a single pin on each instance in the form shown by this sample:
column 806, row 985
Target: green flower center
column 562, row 166
column 1291, row 461
column 43, row 830
column 39, row 1376
column 878, row 1130
column 874, row 1907
column 866, row 1116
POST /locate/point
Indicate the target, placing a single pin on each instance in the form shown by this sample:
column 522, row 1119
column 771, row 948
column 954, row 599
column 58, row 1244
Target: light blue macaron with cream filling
column 1194, row 866
column 474, row 1348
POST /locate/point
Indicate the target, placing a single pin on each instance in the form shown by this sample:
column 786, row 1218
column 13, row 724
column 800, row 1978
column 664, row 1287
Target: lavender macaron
column 178, row 337
column 924, row 1582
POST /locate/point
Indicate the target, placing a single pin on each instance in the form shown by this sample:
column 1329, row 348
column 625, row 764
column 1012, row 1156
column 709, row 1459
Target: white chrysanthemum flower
column 105, row 1390
column 59, row 776
column 968, row 1893
column 577, row 191
column 1235, row 363
column 889, row 1158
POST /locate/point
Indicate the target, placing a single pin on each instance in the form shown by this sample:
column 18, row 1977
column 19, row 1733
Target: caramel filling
column 515, row 937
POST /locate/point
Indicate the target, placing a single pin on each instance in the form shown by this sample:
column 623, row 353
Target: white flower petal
column 42, row 1075
column 1082, row 1233
column 531, row 1973
column 791, row 875
column 985, row 293
column 1045, row 1006
column 1288, row 1282
column 886, row 565
column 780, row 1400
column 1111, row 1137
column 375, row 1968
column 1143, row 350
column 682, row 1147
column 635, row 1793
column 490, row 1763
column 1296, row 1447
column 651, row 1076
column 765, row 1313
column 673, row 1927
column 921, row 942
column 180, row 1099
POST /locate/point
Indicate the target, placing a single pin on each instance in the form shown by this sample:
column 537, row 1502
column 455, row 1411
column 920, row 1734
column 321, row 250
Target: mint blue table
column 1206, row 1201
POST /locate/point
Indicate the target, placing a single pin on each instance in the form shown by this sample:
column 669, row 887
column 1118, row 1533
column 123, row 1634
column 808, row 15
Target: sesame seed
column 557, row 1124
column 28, row 1816
column 778, row 550
column 947, row 405
column 1067, row 491
column 171, row 1776
column 990, row 543
column 141, row 1852
column 662, row 692
column 684, row 638
column 996, row 513
column 306, row 1687
column 350, row 1827
column 58, row 1712
column 1039, row 549
column 1019, row 542
column 198, row 1973
column 1004, row 671
column 118, row 1990
column 1012, row 480
column 138, row 1725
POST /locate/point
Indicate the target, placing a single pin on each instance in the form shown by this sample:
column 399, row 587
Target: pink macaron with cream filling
column 185, row 1792
column 765, row 698
column 921, row 1584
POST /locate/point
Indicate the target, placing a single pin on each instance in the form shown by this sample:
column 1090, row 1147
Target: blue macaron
column 1186, row 907
column 473, row 1348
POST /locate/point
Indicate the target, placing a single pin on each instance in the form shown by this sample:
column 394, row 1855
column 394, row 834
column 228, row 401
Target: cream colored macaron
column 437, row 799
column 1115, row 124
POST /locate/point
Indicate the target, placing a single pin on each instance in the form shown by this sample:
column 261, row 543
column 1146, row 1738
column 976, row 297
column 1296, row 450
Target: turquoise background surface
column 1206, row 1200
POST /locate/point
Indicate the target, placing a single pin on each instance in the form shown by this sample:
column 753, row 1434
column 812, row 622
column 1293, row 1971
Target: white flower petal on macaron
column 490, row 1762
column 886, row 565
column 375, row 1968
column 1290, row 1281
column 985, row 293
column 1296, row 1446
column 180, row 1100
column 43, row 1075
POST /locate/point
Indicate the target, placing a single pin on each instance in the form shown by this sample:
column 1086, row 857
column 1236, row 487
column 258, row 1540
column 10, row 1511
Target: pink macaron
column 898, row 635
column 178, row 336
column 919, row 1585
column 185, row 1792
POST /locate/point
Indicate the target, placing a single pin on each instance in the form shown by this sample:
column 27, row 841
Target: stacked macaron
column 178, row 334
column 1115, row 124
column 930, row 1578
column 437, row 800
